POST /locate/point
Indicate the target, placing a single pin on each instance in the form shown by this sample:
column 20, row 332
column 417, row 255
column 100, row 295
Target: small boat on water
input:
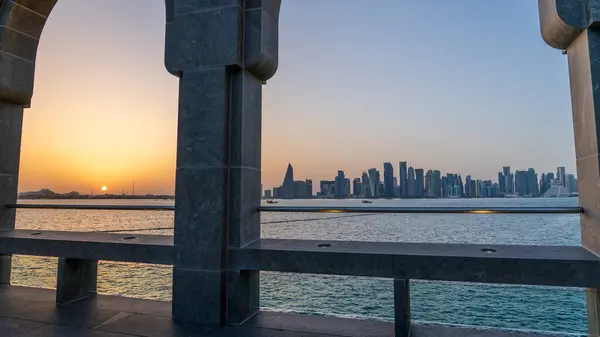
column 271, row 201
column 367, row 201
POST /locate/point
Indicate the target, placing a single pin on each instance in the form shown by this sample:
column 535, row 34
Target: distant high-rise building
column 444, row 187
column 412, row 186
column 374, row 182
column 508, row 180
column 388, row 180
column 300, row 188
column 561, row 175
column 550, row 177
column 356, row 187
column 366, row 188
column 468, row 190
column 327, row 188
column 340, row 187
column 429, row 183
column 532, row 183
column 288, row 189
column 501, row 183
column 277, row 192
column 571, row 183
column 403, row 180
column 437, row 177
column 268, row 194
column 309, row 188
column 420, row 182
column 347, row 187
column 542, row 184
column 521, row 185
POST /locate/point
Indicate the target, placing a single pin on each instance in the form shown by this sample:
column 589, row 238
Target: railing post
column 222, row 54
column 402, row 307
column 76, row 280
column 572, row 26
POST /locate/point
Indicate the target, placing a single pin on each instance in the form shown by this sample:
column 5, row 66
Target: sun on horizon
column 104, row 188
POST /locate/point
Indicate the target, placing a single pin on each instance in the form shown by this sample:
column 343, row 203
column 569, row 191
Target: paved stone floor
column 31, row 312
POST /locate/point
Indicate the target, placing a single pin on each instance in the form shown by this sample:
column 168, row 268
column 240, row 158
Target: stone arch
column 250, row 41
column 22, row 22
column 223, row 51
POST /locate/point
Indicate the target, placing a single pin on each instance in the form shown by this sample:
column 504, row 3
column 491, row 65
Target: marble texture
column 261, row 42
column 198, row 297
column 11, row 125
column 204, row 38
column 200, row 217
column 76, row 280
column 203, row 124
column 16, row 79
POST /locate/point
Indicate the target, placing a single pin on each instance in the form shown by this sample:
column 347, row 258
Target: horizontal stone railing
column 79, row 253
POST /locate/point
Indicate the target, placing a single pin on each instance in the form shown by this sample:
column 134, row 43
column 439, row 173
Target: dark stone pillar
column 402, row 307
column 21, row 24
column 571, row 25
column 222, row 52
column 76, row 280
column 11, row 121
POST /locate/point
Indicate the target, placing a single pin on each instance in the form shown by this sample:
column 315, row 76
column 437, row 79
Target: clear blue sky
column 463, row 86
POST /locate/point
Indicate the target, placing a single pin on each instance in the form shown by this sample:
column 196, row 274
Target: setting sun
column 104, row 188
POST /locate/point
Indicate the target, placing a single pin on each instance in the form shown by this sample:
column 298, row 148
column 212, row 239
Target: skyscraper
column 420, row 182
column 532, row 183
column 501, row 183
column 340, row 184
column 374, row 182
column 388, row 180
column 403, row 180
column 412, row 186
column 346, row 187
column 429, row 184
column 288, row 189
column 444, row 187
column 366, row 187
column 561, row 175
column 508, row 180
column 356, row 187
column 521, row 185
column 571, row 183
column 468, row 190
column 437, row 183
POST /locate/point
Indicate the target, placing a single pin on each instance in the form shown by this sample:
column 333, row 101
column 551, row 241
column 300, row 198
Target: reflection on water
column 515, row 307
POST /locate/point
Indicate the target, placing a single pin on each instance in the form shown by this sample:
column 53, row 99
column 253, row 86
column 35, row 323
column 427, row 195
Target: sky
column 462, row 86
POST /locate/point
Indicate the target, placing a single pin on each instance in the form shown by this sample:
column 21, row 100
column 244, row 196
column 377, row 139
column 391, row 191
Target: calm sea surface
column 560, row 310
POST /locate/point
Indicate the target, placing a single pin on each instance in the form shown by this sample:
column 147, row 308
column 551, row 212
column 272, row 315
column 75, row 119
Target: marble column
column 21, row 24
column 222, row 51
column 570, row 25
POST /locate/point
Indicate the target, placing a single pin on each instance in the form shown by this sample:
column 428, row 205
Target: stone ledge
column 157, row 249
column 510, row 264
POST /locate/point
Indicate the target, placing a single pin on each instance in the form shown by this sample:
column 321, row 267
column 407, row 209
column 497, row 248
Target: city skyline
column 104, row 111
column 413, row 183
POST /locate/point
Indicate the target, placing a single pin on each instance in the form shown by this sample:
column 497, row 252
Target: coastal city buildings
column 418, row 183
